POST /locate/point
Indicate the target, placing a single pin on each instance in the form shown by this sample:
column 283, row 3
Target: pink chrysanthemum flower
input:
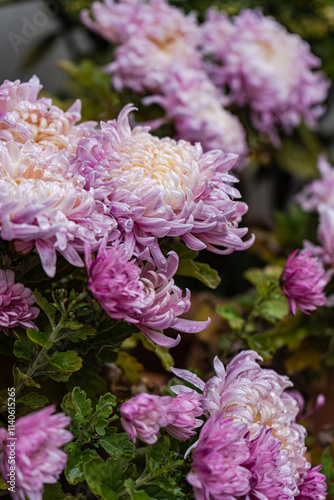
column 16, row 303
column 197, row 110
column 38, row 459
column 25, row 117
column 217, row 471
column 272, row 477
column 181, row 414
column 266, row 68
column 248, row 393
column 159, row 187
column 145, row 414
column 141, row 294
column 320, row 191
column 314, row 486
column 43, row 204
column 152, row 35
column 304, row 280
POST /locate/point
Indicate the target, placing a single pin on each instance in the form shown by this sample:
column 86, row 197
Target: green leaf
column 169, row 485
column 130, row 366
column 274, row 308
column 103, row 477
column 162, row 352
column 24, row 348
column 268, row 274
column 33, row 400
column 157, row 455
column 22, row 377
column 231, row 314
column 118, row 445
column 77, row 406
column 74, row 470
column 67, row 361
column 53, row 491
column 3, row 484
column 261, row 344
column 79, row 331
column 135, row 495
column 47, row 307
column 39, row 338
column 106, row 404
column 202, row 272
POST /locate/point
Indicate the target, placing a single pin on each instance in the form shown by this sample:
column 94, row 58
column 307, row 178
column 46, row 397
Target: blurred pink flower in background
column 16, row 303
column 265, row 67
column 38, row 459
column 304, row 280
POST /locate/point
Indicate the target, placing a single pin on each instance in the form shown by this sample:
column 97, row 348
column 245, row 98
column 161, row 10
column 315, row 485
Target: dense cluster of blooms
column 145, row 414
column 16, row 303
column 38, row 459
column 264, row 67
column 304, row 280
column 141, row 294
column 250, row 444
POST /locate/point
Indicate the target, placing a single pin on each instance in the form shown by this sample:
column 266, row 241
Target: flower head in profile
column 181, row 414
column 304, row 280
column 140, row 293
column 26, row 117
column 247, row 393
column 38, row 459
column 314, row 486
column 160, row 187
column 217, row 470
column 267, row 68
column 197, row 110
column 16, row 303
column 152, row 34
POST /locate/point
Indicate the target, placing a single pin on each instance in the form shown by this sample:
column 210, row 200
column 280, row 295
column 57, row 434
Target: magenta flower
column 196, row 108
column 141, row 294
column 314, row 486
column 143, row 416
column 247, row 393
column 38, row 459
column 15, row 303
column 181, row 414
column 159, row 187
column 265, row 67
column 152, row 35
column 319, row 192
column 217, row 470
column 304, row 279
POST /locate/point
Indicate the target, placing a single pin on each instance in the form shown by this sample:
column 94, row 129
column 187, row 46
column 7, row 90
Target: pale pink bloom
column 25, row 117
column 181, row 414
column 304, row 280
column 248, row 393
column 44, row 204
column 159, row 187
column 320, row 191
column 314, row 486
column 197, row 110
column 267, row 68
column 16, row 303
column 143, row 416
column 140, row 293
column 217, row 470
column 152, row 35
column 38, row 459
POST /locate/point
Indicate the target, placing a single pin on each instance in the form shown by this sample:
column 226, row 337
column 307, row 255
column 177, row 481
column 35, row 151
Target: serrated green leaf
column 135, row 495
column 76, row 405
column 157, row 455
column 231, row 314
column 79, row 331
column 118, row 445
column 67, row 361
column 103, row 477
column 106, row 404
column 33, row 400
column 274, row 308
column 261, row 344
column 22, row 377
column 201, row 271
column 169, row 485
column 39, row 338
column 268, row 274
column 24, row 348
column 53, row 491
column 47, row 307
column 74, row 470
